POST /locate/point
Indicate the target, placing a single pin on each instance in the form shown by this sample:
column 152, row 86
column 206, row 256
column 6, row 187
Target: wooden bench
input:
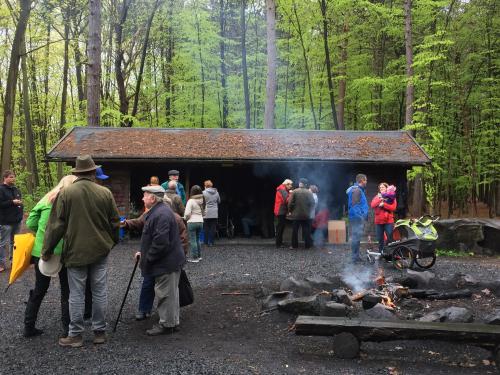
column 349, row 333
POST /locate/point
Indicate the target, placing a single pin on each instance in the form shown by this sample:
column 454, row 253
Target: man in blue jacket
column 173, row 175
column 358, row 213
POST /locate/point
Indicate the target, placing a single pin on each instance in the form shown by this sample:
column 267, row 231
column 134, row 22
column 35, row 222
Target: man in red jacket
column 280, row 209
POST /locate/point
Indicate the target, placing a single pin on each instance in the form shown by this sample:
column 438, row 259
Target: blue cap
column 100, row 174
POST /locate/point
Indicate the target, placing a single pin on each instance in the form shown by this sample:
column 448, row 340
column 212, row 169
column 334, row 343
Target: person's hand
column 123, row 224
column 381, row 204
column 17, row 202
column 46, row 257
column 137, row 255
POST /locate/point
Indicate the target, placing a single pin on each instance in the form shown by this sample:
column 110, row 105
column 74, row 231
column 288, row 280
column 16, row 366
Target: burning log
column 435, row 295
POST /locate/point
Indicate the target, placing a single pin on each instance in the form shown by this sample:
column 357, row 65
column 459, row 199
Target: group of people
column 384, row 204
column 78, row 222
column 298, row 205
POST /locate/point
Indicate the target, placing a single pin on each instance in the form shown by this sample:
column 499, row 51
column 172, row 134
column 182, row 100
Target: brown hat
column 84, row 163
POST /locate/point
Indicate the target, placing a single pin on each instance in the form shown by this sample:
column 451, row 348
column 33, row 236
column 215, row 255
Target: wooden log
column 485, row 335
column 435, row 295
column 346, row 345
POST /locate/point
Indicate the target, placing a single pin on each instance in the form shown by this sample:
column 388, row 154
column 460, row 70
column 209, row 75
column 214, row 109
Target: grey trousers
column 7, row 233
column 77, row 277
column 167, row 293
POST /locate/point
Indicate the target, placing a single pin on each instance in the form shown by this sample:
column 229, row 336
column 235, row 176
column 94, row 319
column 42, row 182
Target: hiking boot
column 161, row 330
column 30, row 331
column 71, row 341
column 142, row 315
column 100, row 337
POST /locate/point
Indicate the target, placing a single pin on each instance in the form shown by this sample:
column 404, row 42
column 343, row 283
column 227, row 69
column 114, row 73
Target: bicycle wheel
column 426, row 262
column 402, row 257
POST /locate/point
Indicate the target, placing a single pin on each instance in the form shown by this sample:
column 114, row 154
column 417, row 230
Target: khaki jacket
column 85, row 215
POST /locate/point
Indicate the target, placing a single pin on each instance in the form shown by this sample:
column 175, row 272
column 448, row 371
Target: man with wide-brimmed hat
column 86, row 217
column 173, row 175
column 162, row 258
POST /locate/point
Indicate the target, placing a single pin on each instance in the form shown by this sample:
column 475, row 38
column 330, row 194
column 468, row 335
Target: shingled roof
column 142, row 144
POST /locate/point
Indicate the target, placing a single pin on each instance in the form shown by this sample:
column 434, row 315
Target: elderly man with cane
column 162, row 257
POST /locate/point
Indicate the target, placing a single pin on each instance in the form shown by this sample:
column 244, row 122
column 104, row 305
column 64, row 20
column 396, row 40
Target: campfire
column 387, row 294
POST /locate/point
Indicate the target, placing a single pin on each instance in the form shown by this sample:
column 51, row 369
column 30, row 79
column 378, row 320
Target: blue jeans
column 381, row 228
column 194, row 230
column 77, row 277
column 147, row 297
column 357, row 227
column 7, row 233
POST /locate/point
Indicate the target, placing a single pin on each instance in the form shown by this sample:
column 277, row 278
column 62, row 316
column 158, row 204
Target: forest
column 430, row 67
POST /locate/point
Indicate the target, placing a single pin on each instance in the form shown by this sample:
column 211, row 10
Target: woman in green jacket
column 37, row 221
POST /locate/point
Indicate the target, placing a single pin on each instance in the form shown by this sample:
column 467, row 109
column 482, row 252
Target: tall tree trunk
column 410, row 91
column 31, row 166
column 286, row 76
column 223, row 71
column 306, row 64
column 10, row 91
column 64, row 95
column 202, row 68
column 143, row 55
column 94, row 64
column 323, row 6
column 244, row 62
column 119, row 60
column 343, row 79
column 271, row 84
column 169, row 71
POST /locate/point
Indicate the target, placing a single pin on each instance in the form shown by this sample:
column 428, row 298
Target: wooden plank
column 382, row 330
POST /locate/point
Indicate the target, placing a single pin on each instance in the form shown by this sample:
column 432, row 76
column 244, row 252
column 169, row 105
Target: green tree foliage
column 456, row 76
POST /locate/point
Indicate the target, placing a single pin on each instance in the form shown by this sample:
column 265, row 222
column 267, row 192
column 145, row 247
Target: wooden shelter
column 245, row 165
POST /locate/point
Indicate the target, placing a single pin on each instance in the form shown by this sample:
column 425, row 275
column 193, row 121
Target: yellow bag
column 23, row 244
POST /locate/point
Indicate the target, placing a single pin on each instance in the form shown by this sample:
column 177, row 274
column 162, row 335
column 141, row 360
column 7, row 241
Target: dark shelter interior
column 247, row 189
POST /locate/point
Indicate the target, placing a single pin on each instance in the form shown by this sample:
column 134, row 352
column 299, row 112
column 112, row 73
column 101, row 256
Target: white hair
column 172, row 184
column 288, row 182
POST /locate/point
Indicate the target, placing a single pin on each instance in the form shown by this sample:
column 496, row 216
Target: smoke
column 357, row 277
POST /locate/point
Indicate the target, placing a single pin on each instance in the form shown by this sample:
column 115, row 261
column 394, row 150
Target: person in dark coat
column 147, row 295
column 300, row 204
column 162, row 257
column 11, row 214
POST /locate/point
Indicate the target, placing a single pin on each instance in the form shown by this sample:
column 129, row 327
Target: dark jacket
column 84, row 214
column 138, row 224
column 300, row 204
column 161, row 248
column 176, row 205
column 9, row 212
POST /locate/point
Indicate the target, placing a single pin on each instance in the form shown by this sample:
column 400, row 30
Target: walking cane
column 126, row 292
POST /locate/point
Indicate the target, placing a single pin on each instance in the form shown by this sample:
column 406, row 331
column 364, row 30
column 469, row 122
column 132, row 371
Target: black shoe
column 32, row 332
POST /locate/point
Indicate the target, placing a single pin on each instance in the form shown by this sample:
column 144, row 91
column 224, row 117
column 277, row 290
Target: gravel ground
column 223, row 334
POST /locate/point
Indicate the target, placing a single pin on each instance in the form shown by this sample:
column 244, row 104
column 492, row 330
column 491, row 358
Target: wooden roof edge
column 66, row 159
column 420, row 147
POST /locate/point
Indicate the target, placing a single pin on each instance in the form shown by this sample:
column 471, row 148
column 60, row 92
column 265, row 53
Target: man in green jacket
column 86, row 217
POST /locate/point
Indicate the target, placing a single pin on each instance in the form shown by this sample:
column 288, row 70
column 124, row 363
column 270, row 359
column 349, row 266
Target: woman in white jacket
column 195, row 210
